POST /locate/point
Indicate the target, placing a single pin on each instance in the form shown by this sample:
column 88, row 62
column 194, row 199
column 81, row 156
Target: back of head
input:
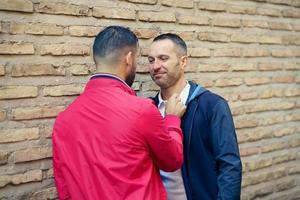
column 111, row 43
column 176, row 39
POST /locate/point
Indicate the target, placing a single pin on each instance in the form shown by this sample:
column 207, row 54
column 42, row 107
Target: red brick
column 250, row 135
column 257, row 52
column 255, row 23
column 241, row 9
column 80, row 69
column 156, row 16
column 284, row 157
column 296, row 27
column 199, row 52
column 268, row 12
column 292, row 66
column 243, row 38
column 273, row 147
column 263, row 176
column 36, row 29
column 213, row 36
column 212, row 67
column 204, row 82
column 271, row 92
column 293, row 13
column 283, row 131
column 257, row 80
column 274, row 119
column 16, row 135
column 243, row 66
column 178, row 3
column 48, row 193
column 228, row 52
column 33, row 153
column 255, row 164
column 269, row 39
column 151, row 2
column 249, row 151
column 283, row 2
column 15, row 48
column 291, row 39
column 63, row 90
column 36, row 112
column 37, row 70
column 229, row 82
column 17, row 5
column 89, row 31
column 269, row 66
column 279, row 26
column 212, row 6
column 226, row 22
column 62, row 8
column 145, row 33
column 246, row 123
column 294, row 142
column 248, row 95
column 293, row 117
column 187, row 36
column 16, row 179
column 115, row 13
column 192, row 19
column 283, row 79
column 17, row 92
column 292, row 92
column 65, row 49
column 282, row 53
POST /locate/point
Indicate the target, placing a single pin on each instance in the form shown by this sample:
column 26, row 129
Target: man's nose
column 156, row 65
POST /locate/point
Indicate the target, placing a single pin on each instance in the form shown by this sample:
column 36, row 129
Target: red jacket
column 109, row 144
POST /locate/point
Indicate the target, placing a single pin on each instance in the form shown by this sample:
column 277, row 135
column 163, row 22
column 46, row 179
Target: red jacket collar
column 104, row 80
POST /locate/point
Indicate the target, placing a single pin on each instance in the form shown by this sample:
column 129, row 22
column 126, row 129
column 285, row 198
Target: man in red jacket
column 109, row 143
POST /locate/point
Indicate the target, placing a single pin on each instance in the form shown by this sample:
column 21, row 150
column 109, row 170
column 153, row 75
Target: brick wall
column 247, row 51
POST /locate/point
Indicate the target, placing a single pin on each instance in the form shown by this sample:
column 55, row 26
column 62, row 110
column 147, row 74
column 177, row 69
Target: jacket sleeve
column 163, row 137
column 60, row 183
column 226, row 152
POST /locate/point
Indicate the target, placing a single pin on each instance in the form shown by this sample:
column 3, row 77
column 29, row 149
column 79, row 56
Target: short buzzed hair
column 176, row 39
column 112, row 40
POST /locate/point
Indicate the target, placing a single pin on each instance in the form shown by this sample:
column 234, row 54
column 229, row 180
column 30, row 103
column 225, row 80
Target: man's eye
column 151, row 61
column 164, row 58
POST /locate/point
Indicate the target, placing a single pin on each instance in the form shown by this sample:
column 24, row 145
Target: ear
column 183, row 62
column 129, row 59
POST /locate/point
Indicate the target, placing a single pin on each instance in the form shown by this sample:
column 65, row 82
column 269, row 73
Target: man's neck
column 166, row 93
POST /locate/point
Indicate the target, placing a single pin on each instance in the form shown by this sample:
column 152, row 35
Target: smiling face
column 166, row 64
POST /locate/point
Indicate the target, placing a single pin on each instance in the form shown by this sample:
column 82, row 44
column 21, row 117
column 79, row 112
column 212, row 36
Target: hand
column 174, row 106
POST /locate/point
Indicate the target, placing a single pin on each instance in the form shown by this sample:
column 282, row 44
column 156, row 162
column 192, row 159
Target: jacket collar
column 195, row 91
column 108, row 80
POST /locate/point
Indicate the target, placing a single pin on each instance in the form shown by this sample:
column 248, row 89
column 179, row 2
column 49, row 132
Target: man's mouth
column 158, row 75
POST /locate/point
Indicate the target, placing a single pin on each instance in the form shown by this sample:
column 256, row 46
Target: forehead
column 160, row 47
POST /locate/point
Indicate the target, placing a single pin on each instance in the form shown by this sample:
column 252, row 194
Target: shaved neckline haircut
column 112, row 43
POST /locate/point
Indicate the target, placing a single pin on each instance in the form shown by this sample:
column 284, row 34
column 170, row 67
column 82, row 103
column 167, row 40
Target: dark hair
column 113, row 38
column 174, row 38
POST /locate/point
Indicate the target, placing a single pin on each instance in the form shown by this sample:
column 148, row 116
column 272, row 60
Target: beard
column 130, row 78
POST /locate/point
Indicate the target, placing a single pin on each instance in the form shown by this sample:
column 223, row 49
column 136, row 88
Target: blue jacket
column 212, row 167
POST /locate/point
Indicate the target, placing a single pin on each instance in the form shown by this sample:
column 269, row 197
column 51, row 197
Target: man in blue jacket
column 212, row 167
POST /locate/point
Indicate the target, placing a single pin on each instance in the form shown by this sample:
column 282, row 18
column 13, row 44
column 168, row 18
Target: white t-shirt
column 173, row 181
